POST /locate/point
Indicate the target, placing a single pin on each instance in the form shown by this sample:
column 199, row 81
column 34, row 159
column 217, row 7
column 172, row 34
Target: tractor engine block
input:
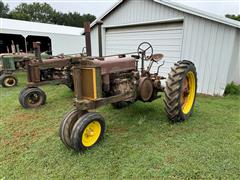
column 51, row 74
column 119, row 83
column 122, row 85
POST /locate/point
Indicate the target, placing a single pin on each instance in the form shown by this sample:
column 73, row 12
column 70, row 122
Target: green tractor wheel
column 180, row 91
column 8, row 81
column 32, row 97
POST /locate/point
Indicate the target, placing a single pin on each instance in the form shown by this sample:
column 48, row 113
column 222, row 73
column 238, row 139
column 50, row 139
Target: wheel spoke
column 148, row 48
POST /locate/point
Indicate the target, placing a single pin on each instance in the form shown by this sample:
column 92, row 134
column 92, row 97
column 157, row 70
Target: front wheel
column 67, row 124
column 87, row 131
column 32, row 97
column 180, row 91
column 8, row 81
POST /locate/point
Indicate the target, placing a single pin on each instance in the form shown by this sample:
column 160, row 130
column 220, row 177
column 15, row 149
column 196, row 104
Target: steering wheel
column 145, row 50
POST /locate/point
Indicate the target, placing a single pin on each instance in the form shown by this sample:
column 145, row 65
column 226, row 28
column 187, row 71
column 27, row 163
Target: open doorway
column 45, row 41
column 6, row 40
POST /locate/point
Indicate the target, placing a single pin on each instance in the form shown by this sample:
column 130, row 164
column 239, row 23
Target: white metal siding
column 61, row 43
column 210, row 45
column 94, row 41
column 165, row 39
column 234, row 70
column 139, row 11
column 135, row 11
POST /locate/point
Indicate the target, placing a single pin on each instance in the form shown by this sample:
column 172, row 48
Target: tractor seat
column 157, row 57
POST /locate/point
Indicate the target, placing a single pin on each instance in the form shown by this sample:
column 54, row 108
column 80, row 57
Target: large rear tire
column 180, row 91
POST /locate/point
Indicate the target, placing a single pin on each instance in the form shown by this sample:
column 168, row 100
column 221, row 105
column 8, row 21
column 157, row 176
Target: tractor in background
column 12, row 62
column 41, row 71
column 9, row 64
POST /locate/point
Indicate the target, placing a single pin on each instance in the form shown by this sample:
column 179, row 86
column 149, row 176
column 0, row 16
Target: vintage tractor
column 53, row 70
column 12, row 62
column 9, row 64
column 116, row 80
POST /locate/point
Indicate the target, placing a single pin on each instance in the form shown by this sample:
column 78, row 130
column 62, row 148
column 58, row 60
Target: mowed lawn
column 139, row 142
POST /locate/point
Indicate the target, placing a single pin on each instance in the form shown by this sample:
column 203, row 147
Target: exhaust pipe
column 13, row 48
column 87, row 30
column 36, row 47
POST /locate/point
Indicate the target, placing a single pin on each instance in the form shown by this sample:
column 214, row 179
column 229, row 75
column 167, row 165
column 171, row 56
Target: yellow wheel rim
column 91, row 134
column 188, row 92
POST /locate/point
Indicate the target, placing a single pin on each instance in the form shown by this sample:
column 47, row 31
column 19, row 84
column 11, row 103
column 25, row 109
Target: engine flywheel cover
column 145, row 89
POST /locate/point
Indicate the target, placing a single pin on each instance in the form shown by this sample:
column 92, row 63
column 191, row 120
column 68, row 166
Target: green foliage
column 232, row 89
column 72, row 19
column 35, row 12
column 44, row 13
column 4, row 9
column 234, row 17
column 139, row 142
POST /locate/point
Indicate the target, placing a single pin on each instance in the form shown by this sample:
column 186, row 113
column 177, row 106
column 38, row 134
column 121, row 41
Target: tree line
column 234, row 17
column 44, row 13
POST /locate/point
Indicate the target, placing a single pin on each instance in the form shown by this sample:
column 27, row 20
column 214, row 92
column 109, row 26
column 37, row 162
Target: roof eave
column 199, row 13
column 105, row 14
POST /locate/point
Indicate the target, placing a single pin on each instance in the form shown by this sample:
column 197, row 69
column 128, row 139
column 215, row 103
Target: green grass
column 139, row 143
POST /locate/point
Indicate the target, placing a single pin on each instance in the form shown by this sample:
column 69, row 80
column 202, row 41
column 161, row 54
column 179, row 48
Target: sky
column 98, row 7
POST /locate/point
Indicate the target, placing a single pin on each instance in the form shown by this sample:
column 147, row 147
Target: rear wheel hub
column 188, row 92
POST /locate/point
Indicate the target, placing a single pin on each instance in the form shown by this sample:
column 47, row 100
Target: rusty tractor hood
column 115, row 64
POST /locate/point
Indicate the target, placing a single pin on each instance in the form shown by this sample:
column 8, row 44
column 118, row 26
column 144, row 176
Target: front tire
column 8, row 81
column 66, row 126
column 87, row 131
column 180, row 91
column 32, row 97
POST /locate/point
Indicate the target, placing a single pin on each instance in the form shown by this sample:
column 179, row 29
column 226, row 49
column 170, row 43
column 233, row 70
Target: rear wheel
column 32, row 97
column 180, row 91
column 8, row 81
column 87, row 131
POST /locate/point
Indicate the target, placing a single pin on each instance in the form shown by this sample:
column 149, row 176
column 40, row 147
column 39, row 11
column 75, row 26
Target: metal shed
column 64, row 39
column 177, row 31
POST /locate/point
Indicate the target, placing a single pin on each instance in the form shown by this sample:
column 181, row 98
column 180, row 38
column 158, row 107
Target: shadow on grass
column 150, row 111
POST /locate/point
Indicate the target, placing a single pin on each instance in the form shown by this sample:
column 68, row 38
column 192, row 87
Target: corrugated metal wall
column 210, row 45
column 94, row 41
column 234, row 70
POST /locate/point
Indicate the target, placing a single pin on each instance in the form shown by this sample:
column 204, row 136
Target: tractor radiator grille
column 8, row 63
column 89, row 83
